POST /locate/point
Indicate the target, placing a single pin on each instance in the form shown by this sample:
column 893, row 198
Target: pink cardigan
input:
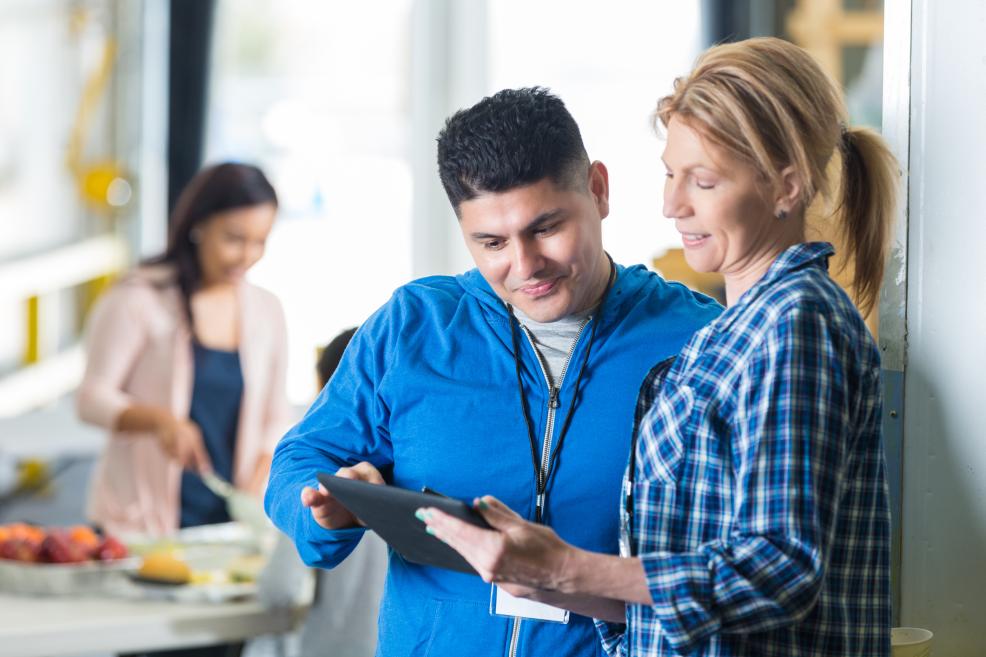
column 139, row 350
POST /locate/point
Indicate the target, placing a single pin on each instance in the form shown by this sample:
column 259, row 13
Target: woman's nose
column 675, row 200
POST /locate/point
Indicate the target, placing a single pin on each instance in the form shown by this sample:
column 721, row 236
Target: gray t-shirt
column 554, row 340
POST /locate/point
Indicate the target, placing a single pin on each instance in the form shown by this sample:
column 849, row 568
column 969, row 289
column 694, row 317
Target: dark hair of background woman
column 213, row 190
column 331, row 355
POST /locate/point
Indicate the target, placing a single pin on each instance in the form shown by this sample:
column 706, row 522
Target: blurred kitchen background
column 109, row 106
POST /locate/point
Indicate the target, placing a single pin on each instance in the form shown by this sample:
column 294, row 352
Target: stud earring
column 781, row 214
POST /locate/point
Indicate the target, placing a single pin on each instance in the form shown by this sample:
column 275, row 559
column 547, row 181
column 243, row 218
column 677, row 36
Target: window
column 316, row 94
column 610, row 65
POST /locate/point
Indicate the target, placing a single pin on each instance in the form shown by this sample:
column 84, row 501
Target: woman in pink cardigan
column 186, row 364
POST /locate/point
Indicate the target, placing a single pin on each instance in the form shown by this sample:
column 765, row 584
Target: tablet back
column 389, row 511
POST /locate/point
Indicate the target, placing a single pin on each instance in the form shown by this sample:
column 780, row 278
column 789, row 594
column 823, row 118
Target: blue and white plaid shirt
column 760, row 499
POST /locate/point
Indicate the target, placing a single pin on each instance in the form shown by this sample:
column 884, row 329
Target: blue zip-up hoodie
column 427, row 392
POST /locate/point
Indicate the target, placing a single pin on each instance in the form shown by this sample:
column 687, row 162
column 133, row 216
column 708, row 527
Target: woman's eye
column 703, row 184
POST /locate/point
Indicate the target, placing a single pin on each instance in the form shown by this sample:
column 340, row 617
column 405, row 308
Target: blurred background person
column 186, row 364
column 342, row 621
column 347, row 598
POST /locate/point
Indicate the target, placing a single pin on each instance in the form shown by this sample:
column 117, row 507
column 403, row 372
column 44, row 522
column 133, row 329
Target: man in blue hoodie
column 516, row 379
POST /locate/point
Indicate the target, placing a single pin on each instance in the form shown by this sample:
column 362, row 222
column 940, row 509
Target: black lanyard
column 626, row 530
column 541, row 482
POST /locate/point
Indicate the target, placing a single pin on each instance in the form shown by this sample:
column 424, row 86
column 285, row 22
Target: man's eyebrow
column 544, row 218
column 538, row 222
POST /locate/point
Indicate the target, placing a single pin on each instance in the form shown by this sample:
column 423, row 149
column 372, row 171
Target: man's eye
column 493, row 245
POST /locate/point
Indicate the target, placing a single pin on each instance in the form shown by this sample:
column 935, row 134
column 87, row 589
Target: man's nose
column 528, row 260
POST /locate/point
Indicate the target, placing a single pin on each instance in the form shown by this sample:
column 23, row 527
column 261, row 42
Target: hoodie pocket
column 459, row 627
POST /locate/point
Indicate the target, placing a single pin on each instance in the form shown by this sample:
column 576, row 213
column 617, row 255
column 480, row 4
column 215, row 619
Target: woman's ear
column 789, row 194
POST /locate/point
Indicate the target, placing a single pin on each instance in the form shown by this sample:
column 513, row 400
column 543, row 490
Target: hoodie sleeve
column 347, row 423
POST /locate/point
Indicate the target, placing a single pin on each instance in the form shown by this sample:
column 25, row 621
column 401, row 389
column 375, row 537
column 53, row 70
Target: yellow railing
column 31, row 348
column 47, row 375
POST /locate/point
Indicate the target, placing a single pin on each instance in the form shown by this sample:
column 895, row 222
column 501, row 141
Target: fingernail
column 430, row 531
column 483, row 504
column 422, row 515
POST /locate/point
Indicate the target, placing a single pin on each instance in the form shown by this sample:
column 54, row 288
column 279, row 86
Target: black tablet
column 389, row 511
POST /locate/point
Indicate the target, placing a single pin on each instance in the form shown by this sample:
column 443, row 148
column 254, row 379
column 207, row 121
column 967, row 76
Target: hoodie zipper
column 553, row 404
column 549, row 429
column 514, row 637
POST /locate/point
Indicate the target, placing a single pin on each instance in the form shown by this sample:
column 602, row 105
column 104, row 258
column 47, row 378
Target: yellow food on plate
column 246, row 568
column 204, row 577
column 164, row 567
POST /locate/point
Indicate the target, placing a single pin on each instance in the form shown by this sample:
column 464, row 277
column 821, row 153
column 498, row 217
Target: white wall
column 943, row 575
column 609, row 66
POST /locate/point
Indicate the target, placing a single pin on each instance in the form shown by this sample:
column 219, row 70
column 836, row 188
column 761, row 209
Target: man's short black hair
column 513, row 138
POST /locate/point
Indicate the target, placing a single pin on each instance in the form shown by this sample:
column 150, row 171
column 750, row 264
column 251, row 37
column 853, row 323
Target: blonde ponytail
column 868, row 200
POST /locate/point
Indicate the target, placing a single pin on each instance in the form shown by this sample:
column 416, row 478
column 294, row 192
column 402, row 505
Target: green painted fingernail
column 420, row 515
column 430, row 530
column 483, row 504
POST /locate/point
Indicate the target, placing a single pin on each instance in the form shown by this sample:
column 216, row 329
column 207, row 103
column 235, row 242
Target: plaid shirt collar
column 794, row 257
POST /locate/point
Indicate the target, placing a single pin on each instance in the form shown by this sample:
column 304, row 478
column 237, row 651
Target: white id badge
column 504, row 604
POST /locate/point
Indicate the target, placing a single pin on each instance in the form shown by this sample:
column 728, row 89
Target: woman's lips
column 694, row 240
column 539, row 289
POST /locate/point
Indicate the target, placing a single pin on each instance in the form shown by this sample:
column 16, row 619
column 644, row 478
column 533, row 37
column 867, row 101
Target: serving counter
column 69, row 627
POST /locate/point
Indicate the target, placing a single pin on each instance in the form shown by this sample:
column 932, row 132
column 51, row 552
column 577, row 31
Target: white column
column 896, row 127
column 152, row 156
column 943, row 574
column 448, row 72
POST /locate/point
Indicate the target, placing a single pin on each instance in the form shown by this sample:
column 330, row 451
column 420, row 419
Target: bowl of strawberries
column 73, row 560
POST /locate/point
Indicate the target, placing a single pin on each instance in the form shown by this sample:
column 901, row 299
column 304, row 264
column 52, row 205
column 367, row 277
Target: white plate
column 211, row 593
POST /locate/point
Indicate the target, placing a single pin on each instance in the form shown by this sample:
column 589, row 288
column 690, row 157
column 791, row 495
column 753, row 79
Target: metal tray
column 87, row 578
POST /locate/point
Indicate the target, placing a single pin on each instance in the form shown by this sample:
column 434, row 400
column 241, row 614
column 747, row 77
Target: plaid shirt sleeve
column 788, row 447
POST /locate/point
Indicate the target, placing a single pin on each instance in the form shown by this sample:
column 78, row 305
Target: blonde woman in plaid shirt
column 756, row 517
